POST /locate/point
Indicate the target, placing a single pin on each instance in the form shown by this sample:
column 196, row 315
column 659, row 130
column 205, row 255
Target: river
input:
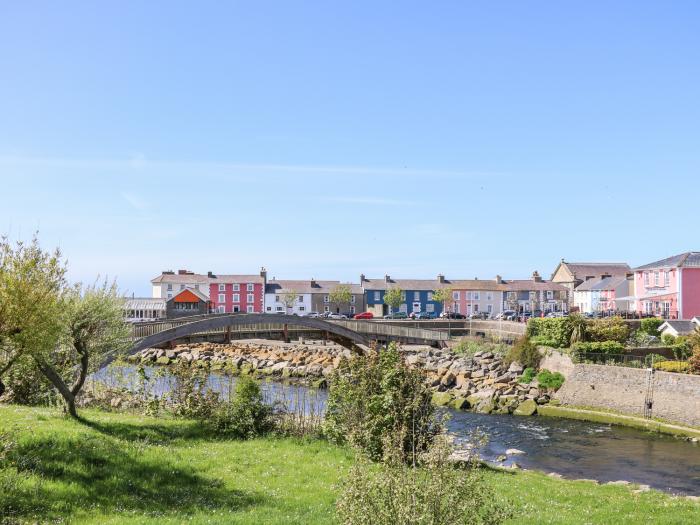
column 574, row 449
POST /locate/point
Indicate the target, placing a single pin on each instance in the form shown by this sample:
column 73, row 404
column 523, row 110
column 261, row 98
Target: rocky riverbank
column 481, row 382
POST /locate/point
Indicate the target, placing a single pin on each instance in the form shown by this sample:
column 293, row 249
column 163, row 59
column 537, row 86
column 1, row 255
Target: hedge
column 673, row 366
column 554, row 330
column 651, row 326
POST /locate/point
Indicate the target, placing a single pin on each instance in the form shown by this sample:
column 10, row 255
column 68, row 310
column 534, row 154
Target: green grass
column 119, row 468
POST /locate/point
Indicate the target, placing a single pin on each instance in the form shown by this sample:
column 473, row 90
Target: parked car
column 422, row 315
column 333, row 315
column 452, row 315
column 397, row 315
column 364, row 315
column 507, row 315
column 313, row 314
column 480, row 315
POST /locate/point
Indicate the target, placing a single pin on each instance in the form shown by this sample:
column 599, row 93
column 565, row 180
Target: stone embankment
column 482, row 382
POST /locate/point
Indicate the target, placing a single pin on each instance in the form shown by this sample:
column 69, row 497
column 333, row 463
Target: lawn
column 119, row 468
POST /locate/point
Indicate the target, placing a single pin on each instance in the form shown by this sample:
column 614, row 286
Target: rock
column 460, row 403
column 514, row 452
column 448, row 379
column 555, row 475
column 116, row 402
column 501, row 458
column 320, row 383
column 441, row 399
column 619, row 482
column 526, row 408
column 516, row 368
column 486, row 406
column 163, row 360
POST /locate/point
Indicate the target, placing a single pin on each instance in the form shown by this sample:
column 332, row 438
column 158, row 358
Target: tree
column 32, row 289
column 94, row 327
column 340, row 295
column 393, row 297
column 289, row 298
column 444, row 296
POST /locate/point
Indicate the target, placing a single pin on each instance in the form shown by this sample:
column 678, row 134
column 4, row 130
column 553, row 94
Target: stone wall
column 676, row 397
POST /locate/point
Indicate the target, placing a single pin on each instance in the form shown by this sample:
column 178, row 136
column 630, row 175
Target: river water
column 574, row 449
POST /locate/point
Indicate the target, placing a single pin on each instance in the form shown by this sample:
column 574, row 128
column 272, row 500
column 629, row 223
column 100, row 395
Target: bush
column 541, row 340
column 650, row 326
column 26, row 385
column 549, row 380
column 189, row 396
column 556, row 330
column 673, row 366
column 668, row 339
column 643, row 340
column 525, row 353
column 650, row 359
column 376, row 397
column 468, row 346
column 607, row 329
column 436, row 493
column 246, row 415
column 528, row 376
column 603, row 348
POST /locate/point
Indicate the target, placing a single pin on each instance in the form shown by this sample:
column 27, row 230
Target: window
column 236, row 298
column 326, row 299
column 477, row 296
column 430, row 307
column 170, row 287
column 277, row 298
column 302, row 308
column 279, row 308
column 352, row 299
column 250, row 309
column 269, row 308
column 250, row 298
column 416, row 296
column 646, row 278
column 403, row 296
column 656, row 278
column 667, row 278
column 468, row 296
column 326, row 309
column 196, row 287
column 182, row 287
column 250, row 287
column 352, row 309
column 489, row 308
column 550, row 294
column 221, row 309
column 236, row 309
column 377, row 296
column 430, row 296
column 533, row 296
column 222, row 298
column 476, row 308
column 236, row 287
column 170, row 296
column 222, row 287
column 403, row 308
column 457, row 308
column 300, row 299
column 455, row 296
column 489, row 296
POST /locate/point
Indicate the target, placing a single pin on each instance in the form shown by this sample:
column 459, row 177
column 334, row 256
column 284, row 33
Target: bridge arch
column 344, row 336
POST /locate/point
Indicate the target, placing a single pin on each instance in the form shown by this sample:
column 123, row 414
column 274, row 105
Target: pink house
column 237, row 293
column 669, row 288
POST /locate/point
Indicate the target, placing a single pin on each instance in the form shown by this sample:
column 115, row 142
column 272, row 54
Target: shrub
column 668, row 339
column 468, row 346
column 541, row 340
column 650, row 359
column 607, row 329
column 549, row 380
column 528, row 376
column 246, row 415
column 436, row 493
column 673, row 366
column 377, row 396
column 26, row 385
column 525, row 353
column 189, row 396
column 643, row 340
column 603, row 348
column 651, row 325
column 556, row 330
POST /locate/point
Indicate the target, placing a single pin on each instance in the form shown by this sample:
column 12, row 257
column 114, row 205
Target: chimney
column 168, row 272
column 536, row 277
column 211, row 275
column 263, row 273
column 313, row 283
column 387, row 279
column 441, row 278
column 499, row 279
column 182, row 272
column 362, row 278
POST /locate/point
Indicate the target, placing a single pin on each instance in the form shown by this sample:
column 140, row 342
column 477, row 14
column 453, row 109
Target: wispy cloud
column 370, row 201
column 136, row 201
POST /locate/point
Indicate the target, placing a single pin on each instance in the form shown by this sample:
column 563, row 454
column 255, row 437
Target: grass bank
column 120, row 468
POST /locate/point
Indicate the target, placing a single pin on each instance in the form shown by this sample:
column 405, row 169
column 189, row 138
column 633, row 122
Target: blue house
column 417, row 294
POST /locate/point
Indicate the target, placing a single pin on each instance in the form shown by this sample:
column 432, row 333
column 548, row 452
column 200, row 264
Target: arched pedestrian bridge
column 349, row 333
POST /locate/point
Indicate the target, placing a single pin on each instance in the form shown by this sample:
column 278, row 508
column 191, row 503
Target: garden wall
column 676, row 397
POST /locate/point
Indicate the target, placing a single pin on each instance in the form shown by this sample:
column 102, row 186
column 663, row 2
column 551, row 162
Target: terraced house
column 573, row 274
column 302, row 297
column 669, row 288
column 477, row 295
column 535, row 295
column 417, row 294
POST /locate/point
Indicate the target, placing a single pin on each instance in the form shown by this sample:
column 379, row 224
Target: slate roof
column 476, row 285
column 583, row 269
column 609, row 283
column 205, row 279
column 683, row 260
column 303, row 287
column 404, row 284
column 531, row 285
column 682, row 327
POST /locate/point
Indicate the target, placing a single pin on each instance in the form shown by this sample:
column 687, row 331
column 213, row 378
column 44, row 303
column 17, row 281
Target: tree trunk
column 60, row 385
column 84, row 364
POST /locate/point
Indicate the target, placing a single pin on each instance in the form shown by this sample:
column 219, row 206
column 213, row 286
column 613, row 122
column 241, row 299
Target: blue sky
column 327, row 139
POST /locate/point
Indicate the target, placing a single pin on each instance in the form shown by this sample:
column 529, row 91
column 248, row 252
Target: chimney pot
column 387, row 278
column 211, row 275
column 441, row 278
column 362, row 278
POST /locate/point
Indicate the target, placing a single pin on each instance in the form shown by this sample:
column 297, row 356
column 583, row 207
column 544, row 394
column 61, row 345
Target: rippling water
column 574, row 449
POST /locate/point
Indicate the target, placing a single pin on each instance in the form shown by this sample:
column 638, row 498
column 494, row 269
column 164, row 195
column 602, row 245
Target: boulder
column 526, row 408
column 441, row 399
column 448, row 379
column 163, row 360
column 460, row 403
